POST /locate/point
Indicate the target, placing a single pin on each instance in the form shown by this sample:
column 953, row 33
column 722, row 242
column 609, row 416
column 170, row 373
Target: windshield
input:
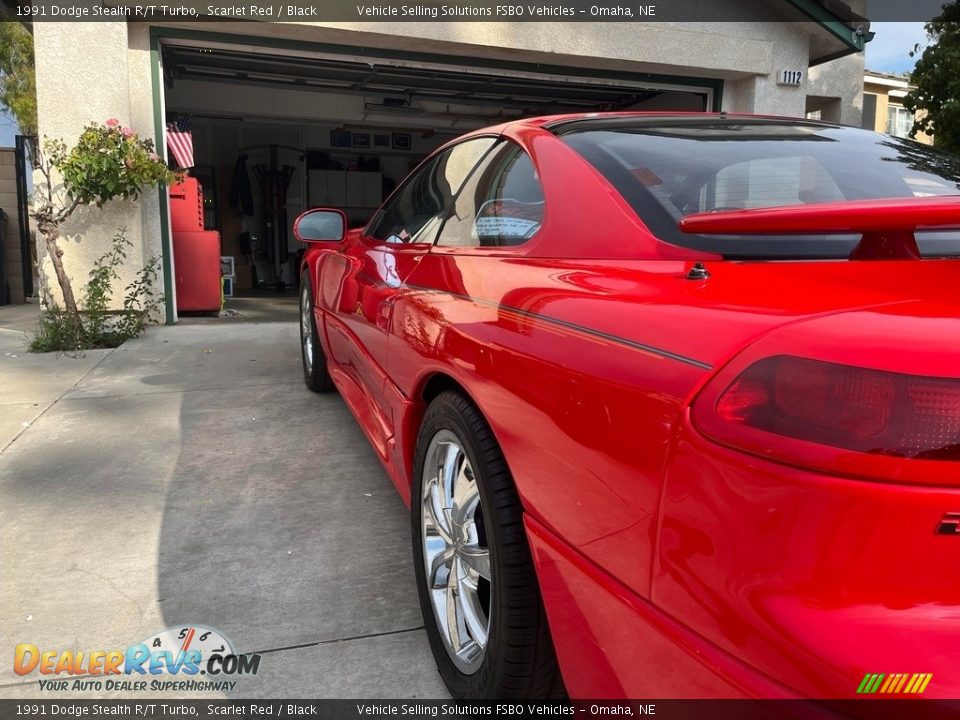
column 666, row 169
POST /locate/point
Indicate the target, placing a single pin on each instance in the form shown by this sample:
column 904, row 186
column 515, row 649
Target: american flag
column 180, row 141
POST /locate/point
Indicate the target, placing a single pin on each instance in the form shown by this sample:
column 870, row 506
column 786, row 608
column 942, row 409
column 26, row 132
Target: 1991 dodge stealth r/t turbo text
column 674, row 401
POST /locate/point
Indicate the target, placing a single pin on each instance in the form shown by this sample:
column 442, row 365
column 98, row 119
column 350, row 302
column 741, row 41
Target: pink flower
column 112, row 123
column 128, row 133
column 154, row 156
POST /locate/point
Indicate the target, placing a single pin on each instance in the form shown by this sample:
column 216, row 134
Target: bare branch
column 67, row 211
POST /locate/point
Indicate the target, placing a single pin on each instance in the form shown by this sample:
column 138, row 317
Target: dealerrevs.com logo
column 188, row 658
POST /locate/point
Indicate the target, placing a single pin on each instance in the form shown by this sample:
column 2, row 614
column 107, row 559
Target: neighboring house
column 16, row 266
column 883, row 108
column 286, row 93
column 11, row 257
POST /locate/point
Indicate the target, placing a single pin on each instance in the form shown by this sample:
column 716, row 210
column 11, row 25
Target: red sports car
column 674, row 401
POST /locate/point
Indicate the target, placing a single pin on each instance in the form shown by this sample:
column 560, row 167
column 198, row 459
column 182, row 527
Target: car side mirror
column 320, row 225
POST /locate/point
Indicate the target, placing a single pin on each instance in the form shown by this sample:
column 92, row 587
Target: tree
column 936, row 100
column 109, row 161
column 18, row 86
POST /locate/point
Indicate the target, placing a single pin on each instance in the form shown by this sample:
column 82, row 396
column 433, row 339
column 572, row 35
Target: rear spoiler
column 887, row 225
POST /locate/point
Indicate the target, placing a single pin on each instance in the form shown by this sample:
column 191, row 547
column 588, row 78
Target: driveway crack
column 58, row 399
column 110, row 583
column 333, row 641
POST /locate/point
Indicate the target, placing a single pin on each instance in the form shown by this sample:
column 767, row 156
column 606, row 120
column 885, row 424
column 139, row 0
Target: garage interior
column 276, row 131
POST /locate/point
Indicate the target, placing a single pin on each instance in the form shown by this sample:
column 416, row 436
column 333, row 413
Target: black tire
column 519, row 659
column 315, row 373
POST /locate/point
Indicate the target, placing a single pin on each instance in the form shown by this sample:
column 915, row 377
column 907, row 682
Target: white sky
column 8, row 130
column 889, row 50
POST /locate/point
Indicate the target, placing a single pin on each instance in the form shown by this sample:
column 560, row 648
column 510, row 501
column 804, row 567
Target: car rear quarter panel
column 824, row 574
column 593, row 426
column 817, row 580
column 584, row 420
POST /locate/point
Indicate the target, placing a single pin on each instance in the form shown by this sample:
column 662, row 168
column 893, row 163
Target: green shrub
column 96, row 326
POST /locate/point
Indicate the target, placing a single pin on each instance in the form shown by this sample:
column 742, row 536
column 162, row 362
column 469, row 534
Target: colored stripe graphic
column 894, row 683
column 903, row 679
column 870, row 683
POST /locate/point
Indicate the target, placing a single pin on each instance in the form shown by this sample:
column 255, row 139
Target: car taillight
column 852, row 408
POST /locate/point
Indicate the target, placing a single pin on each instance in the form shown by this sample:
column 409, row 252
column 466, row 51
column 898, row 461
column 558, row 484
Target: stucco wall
column 883, row 107
column 92, row 71
column 841, row 80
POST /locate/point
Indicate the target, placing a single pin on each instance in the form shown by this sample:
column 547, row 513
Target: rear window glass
column 667, row 171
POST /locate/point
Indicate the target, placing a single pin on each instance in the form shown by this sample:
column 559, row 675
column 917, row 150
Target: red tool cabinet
column 196, row 262
column 186, row 205
column 196, row 252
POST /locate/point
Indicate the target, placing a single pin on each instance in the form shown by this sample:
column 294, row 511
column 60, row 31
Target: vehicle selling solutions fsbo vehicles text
column 511, row 11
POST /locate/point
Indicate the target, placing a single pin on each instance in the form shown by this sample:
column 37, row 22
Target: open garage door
column 469, row 93
column 276, row 131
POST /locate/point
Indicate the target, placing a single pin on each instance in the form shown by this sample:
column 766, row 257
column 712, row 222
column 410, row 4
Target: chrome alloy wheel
column 306, row 326
column 455, row 552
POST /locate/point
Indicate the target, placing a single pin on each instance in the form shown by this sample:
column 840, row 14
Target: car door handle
column 384, row 314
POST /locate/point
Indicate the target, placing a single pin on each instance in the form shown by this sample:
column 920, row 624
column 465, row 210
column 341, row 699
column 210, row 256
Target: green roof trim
column 160, row 129
column 836, row 26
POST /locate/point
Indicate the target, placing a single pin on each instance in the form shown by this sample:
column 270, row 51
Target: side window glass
column 459, row 160
column 414, row 213
column 501, row 204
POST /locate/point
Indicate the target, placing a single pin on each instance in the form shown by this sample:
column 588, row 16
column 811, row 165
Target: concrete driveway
column 189, row 477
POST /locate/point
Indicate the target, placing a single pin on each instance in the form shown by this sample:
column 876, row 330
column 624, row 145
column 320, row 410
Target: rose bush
column 108, row 162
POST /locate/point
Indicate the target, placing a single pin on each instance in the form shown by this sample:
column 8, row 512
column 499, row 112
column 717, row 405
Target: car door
column 498, row 208
column 481, row 307
column 382, row 256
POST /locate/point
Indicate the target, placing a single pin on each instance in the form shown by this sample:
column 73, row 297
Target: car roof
column 559, row 124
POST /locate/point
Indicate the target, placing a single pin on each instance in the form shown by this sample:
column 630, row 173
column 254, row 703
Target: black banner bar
column 472, row 11
column 874, row 709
